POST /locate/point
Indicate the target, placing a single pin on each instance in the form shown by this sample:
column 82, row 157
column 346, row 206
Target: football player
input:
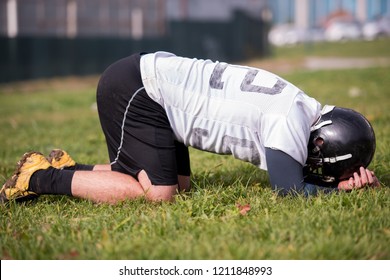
column 152, row 107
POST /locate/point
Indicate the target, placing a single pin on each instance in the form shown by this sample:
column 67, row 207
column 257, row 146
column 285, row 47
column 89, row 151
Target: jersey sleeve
column 290, row 133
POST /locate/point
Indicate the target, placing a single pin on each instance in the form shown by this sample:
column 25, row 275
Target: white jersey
column 230, row 109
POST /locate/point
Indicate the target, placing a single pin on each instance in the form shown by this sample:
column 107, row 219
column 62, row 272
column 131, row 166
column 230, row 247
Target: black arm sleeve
column 286, row 175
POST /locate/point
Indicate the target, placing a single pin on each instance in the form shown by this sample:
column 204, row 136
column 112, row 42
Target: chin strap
column 337, row 158
column 319, row 160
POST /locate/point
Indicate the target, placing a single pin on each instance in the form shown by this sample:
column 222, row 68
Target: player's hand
column 364, row 179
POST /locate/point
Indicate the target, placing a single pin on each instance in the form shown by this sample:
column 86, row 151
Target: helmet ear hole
column 319, row 142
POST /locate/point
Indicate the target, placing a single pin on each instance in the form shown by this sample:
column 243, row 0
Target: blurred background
column 46, row 38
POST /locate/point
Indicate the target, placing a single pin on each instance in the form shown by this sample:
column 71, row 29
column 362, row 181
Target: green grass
column 205, row 223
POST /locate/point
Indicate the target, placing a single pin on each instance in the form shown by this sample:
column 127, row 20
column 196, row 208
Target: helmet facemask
column 316, row 161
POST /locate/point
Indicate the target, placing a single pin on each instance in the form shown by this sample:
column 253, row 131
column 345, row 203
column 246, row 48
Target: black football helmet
column 340, row 142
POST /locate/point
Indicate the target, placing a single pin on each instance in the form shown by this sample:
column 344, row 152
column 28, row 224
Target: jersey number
column 241, row 148
column 247, row 84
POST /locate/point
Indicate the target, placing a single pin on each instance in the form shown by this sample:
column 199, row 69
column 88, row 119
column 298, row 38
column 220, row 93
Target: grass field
column 205, row 223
